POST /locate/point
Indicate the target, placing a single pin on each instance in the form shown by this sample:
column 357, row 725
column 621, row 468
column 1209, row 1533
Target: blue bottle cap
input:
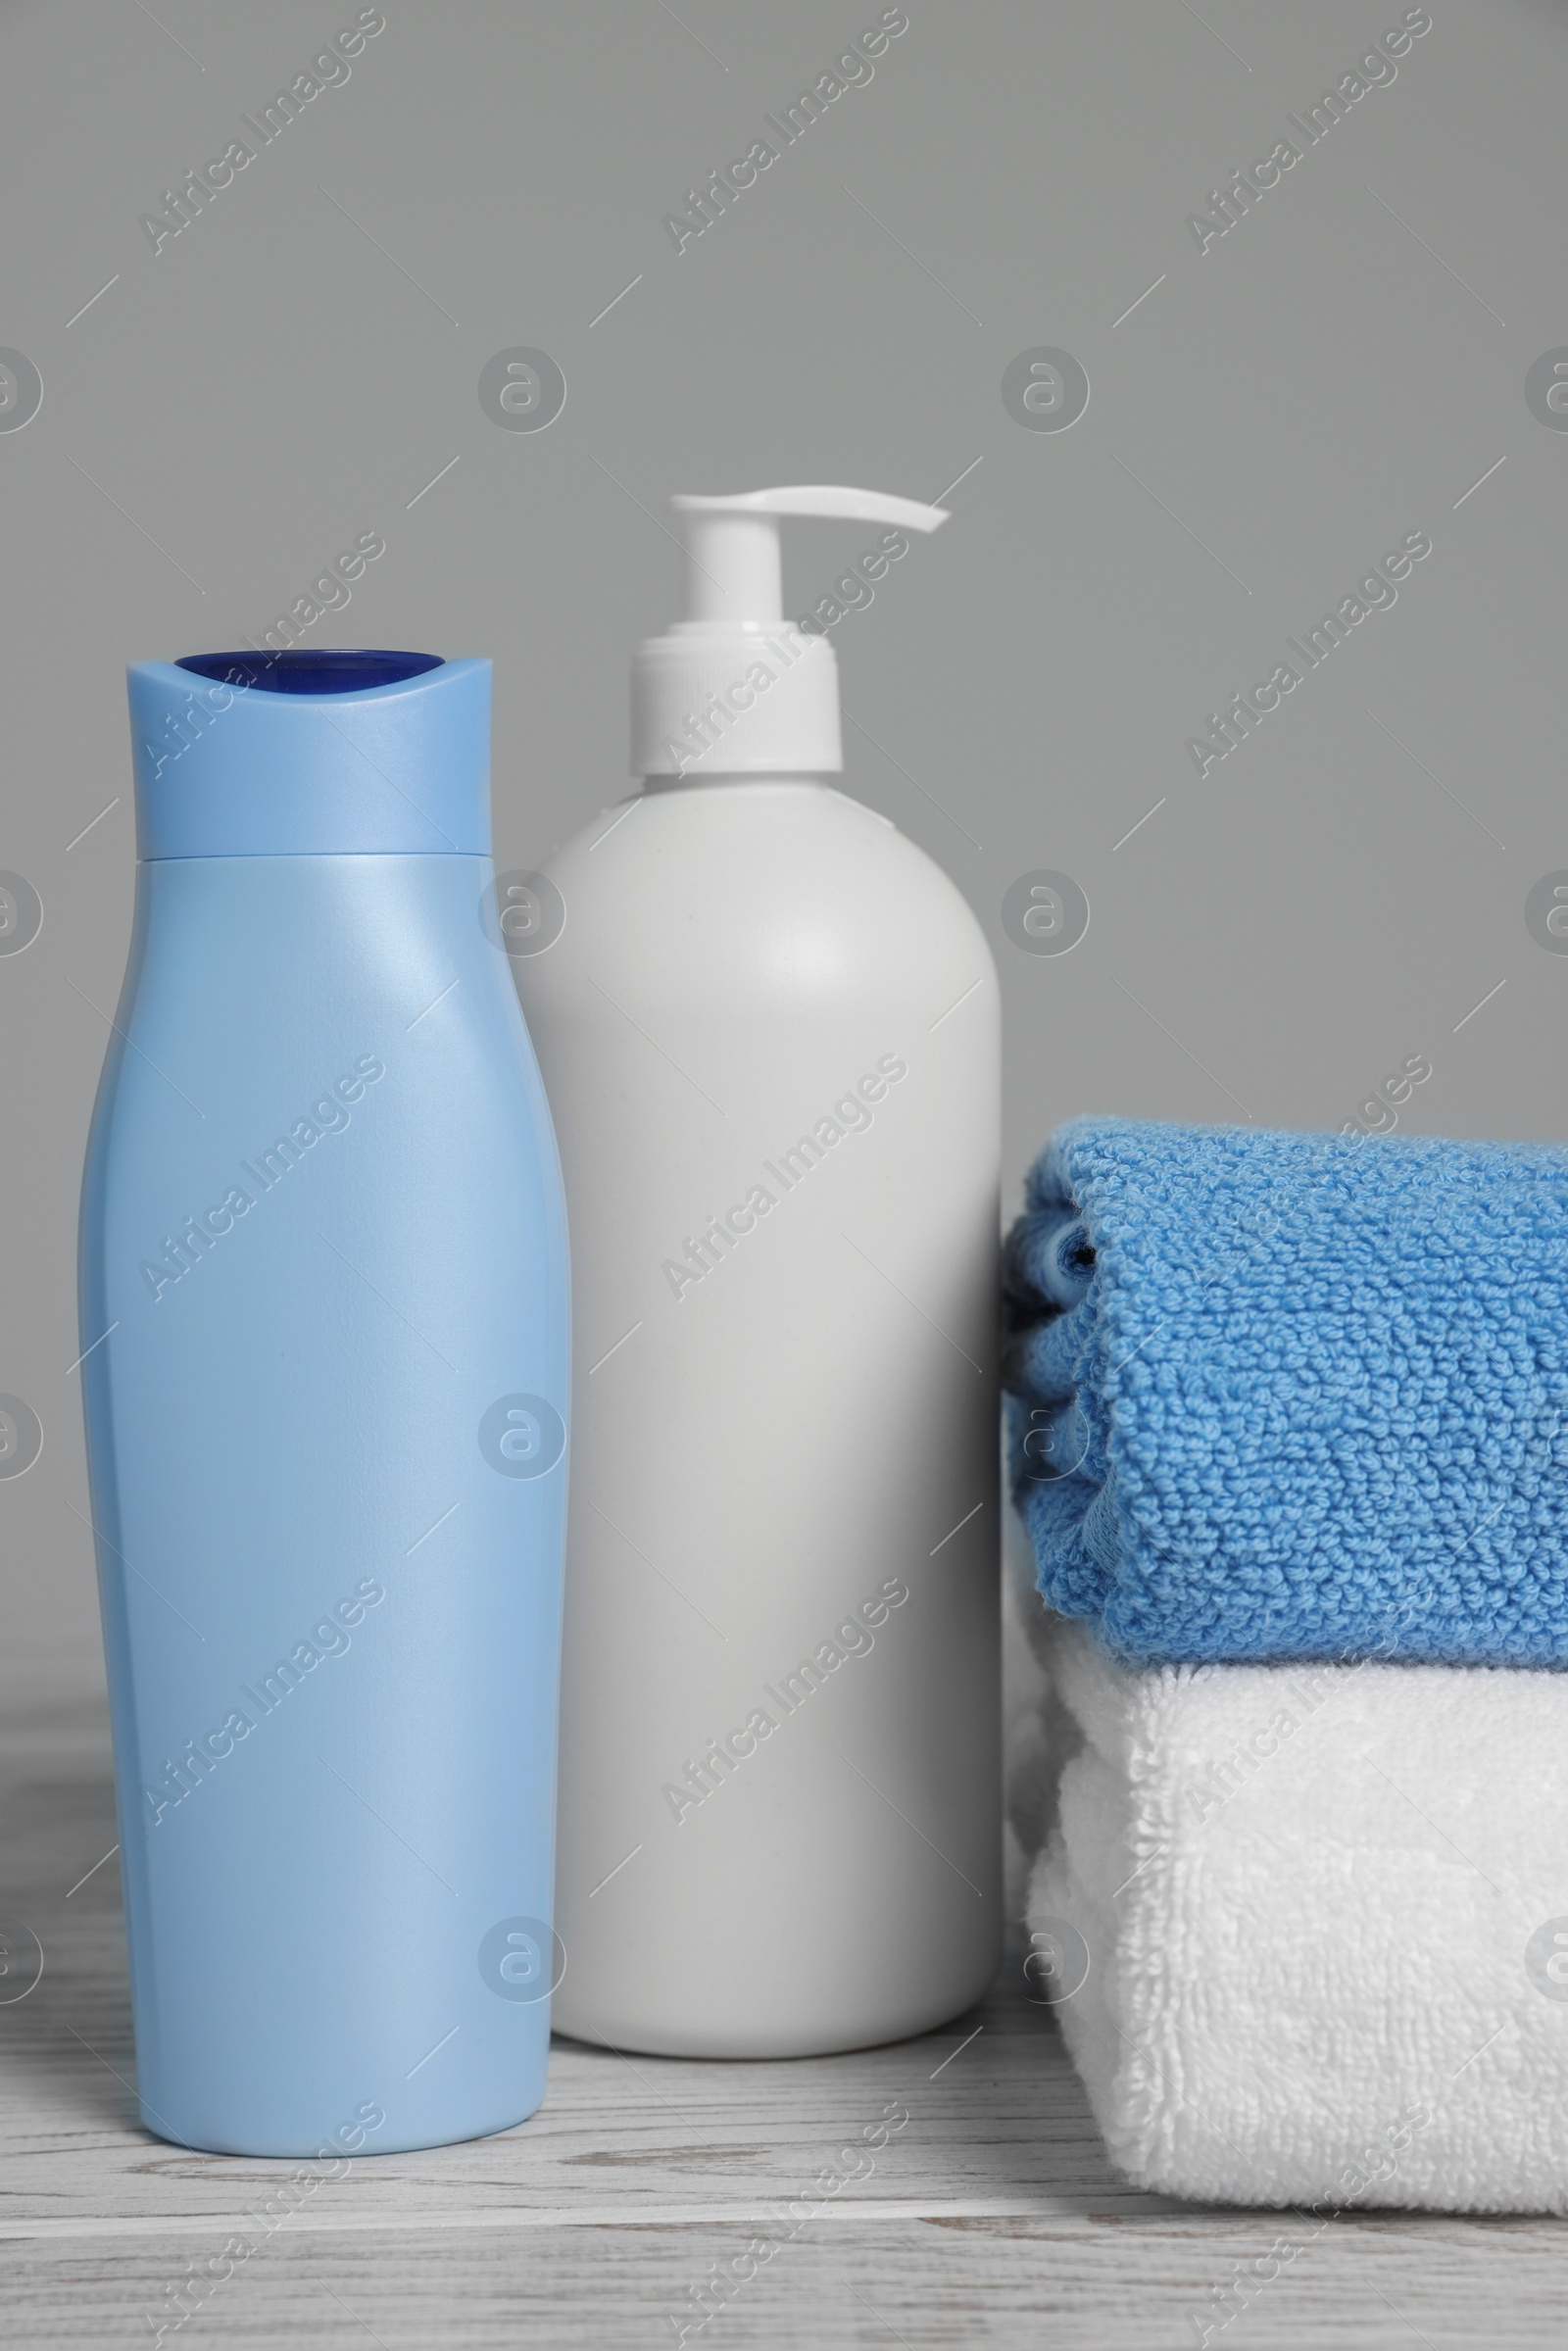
column 335, row 752
column 336, row 669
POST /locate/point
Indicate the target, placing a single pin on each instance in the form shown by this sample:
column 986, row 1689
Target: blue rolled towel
column 1295, row 1396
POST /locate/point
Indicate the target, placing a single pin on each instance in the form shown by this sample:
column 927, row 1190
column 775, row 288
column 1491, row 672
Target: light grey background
column 1336, row 371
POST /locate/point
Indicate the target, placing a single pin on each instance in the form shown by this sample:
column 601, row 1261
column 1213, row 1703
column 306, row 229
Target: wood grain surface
column 991, row 2215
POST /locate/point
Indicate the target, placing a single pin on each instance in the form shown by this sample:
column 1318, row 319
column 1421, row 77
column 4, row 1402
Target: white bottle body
column 771, row 1448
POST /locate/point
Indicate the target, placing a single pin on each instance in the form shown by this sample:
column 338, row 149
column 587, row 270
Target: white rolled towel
column 1307, row 1928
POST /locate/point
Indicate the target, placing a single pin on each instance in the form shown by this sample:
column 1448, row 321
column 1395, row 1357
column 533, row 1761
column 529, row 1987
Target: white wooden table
column 991, row 2217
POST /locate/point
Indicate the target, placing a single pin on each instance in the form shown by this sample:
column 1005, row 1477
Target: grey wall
column 1332, row 373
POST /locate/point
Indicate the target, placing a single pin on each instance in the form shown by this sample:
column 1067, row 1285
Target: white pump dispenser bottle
column 769, row 1032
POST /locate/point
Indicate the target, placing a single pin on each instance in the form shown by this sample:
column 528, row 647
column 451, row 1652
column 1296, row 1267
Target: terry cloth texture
column 1324, row 1913
column 1295, row 1396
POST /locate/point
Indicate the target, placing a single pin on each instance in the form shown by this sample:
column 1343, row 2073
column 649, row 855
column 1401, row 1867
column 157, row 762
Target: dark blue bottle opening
column 333, row 671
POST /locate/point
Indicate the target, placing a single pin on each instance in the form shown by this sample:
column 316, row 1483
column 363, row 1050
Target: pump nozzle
column 733, row 570
column 732, row 688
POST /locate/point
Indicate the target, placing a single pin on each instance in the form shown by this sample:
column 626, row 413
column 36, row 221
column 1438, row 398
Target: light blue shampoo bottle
column 324, row 1304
